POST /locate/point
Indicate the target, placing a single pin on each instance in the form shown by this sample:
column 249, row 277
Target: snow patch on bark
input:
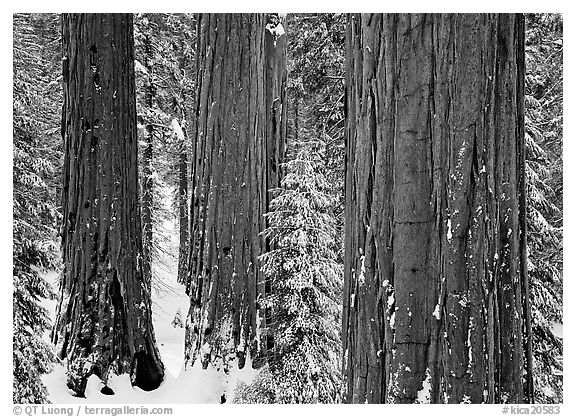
column 423, row 396
column 436, row 312
column 276, row 30
column 390, row 300
column 361, row 277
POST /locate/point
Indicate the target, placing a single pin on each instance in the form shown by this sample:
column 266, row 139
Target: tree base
column 147, row 373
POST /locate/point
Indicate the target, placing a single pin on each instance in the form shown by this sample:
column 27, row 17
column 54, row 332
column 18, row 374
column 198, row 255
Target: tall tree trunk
column 104, row 321
column 185, row 62
column 147, row 169
column 238, row 145
column 436, row 292
column 182, row 200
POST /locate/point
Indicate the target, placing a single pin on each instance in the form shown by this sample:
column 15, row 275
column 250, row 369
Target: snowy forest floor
column 192, row 386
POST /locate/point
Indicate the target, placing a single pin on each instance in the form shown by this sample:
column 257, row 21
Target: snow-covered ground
column 558, row 329
column 180, row 386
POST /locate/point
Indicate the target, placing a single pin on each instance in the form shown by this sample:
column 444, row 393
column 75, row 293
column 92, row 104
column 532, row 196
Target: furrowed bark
column 104, row 321
column 238, row 145
column 436, row 294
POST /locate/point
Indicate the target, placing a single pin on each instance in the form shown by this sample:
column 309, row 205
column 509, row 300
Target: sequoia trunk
column 104, row 321
column 436, row 292
column 238, row 145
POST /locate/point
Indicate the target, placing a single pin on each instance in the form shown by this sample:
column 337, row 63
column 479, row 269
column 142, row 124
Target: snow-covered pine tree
column 32, row 356
column 305, row 282
column 37, row 150
column 544, row 161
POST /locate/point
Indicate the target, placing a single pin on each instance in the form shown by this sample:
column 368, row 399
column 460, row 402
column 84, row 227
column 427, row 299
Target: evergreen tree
column 243, row 107
column 36, row 162
column 305, row 285
column 164, row 52
column 316, row 55
column 544, row 134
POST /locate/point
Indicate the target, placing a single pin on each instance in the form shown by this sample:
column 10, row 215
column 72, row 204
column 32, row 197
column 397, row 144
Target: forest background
column 315, row 77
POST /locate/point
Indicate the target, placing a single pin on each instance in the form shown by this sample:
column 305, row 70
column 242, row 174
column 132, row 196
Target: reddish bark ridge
column 436, row 290
column 238, row 146
column 104, row 321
